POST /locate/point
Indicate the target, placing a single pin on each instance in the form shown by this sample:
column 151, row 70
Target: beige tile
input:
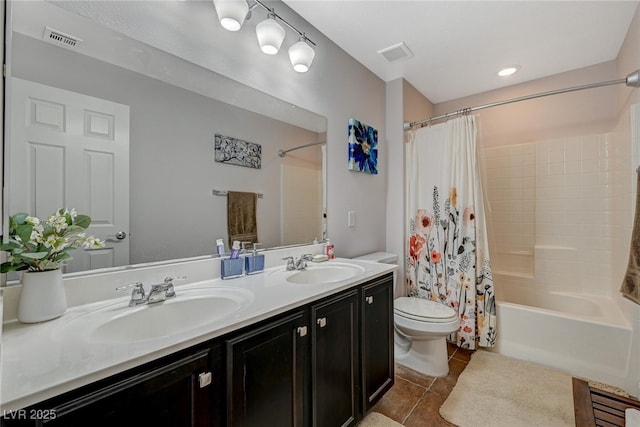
column 426, row 413
column 463, row 354
column 444, row 385
column 399, row 400
column 413, row 376
column 415, row 399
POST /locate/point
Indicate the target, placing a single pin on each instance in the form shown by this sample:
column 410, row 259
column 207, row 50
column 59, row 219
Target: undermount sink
column 321, row 273
column 188, row 310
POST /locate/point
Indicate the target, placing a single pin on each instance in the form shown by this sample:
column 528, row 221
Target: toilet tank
column 384, row 258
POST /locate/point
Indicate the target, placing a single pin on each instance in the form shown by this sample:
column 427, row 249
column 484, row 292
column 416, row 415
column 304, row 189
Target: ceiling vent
column 59, row 38
column 397, row 52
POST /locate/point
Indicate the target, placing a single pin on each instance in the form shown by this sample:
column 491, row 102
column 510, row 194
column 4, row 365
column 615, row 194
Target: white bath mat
column 497, row 391
column 375, row 419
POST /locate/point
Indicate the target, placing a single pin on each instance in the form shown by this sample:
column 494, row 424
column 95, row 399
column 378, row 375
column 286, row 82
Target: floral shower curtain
column 448, row 249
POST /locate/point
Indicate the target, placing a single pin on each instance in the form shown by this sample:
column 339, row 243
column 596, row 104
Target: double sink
column 193, row 307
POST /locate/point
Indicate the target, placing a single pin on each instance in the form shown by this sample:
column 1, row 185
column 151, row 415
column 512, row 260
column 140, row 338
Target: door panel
column 334, row 371
column 54, row 131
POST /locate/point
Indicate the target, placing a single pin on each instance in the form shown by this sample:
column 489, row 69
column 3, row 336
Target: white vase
column 42, row 296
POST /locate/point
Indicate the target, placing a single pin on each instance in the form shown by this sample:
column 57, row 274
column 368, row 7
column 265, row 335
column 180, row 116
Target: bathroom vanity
column 292, row 354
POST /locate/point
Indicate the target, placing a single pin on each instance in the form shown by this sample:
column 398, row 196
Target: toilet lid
column 423, row 309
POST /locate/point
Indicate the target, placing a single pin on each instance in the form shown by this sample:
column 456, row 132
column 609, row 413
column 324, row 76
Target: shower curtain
column 448, row 249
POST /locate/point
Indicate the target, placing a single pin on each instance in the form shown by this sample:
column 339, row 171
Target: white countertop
column 40, row 361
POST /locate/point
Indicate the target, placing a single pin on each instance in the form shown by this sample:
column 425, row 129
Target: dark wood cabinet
column 324, row 364
column 267, row 374
column 334, row 361
column 174, row 392
column 376, row 340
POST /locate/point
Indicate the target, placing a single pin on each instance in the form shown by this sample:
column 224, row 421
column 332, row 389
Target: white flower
column 56, row 243
column 36, row 233
column 32, row 220
column 58, row 222
column 92, row 243
column 50, row 241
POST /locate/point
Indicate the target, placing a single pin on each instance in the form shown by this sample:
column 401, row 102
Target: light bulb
column 507, row 71
column 270, row 35
column 231, row 13
column 301, row 56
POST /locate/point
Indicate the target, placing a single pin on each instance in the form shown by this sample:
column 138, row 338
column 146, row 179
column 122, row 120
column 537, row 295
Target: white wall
column 404, row 103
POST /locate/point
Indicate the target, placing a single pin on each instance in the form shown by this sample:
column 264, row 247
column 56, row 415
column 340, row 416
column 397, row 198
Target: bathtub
column 584, row 336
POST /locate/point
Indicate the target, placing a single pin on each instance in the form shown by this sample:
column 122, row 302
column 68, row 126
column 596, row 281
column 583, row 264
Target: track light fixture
column 233, row 13
column 301, row 55
column 270, row 35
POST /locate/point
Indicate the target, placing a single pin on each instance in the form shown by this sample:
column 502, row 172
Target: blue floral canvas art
column 363, row 147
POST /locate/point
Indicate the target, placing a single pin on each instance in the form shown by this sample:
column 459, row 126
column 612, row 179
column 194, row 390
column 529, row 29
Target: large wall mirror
column 125, row 133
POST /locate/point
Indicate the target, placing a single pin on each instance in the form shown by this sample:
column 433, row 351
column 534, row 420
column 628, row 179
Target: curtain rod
column 282, row 153
column 632, row 80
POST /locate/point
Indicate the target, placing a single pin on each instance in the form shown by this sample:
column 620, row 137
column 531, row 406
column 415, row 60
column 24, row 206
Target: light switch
column 351, row 218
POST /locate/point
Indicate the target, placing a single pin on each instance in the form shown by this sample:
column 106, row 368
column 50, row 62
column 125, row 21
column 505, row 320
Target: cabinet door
column 334, row 361
column 169, row 395
column 377, row 340
column 266, row 370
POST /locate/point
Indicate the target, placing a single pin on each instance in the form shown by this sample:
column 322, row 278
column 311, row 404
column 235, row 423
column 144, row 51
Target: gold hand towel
column 241, row 216
column 631, row 283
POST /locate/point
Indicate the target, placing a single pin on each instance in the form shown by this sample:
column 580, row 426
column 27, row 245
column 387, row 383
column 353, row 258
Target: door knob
column 120, row 235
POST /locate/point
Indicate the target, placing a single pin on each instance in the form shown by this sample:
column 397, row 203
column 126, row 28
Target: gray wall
column 173, row 213
column 337, row 87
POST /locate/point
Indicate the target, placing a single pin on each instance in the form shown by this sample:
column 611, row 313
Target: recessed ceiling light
column 508, row 71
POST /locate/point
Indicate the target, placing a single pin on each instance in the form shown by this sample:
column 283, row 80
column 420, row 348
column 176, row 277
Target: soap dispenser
column 254, row 263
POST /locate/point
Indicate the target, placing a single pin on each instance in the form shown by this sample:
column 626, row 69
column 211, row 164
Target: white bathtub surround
column 42, row 360
column 585, row 336
column 553, row 210
column 561, row 221
column 447, row 237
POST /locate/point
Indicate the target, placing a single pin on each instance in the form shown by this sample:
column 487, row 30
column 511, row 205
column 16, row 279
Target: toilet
column 421, row 327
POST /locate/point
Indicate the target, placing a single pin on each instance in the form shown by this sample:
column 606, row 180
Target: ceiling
column 459, row 46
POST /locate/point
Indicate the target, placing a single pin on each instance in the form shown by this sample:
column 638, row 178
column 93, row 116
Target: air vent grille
column 396, row 52
column 59, row 38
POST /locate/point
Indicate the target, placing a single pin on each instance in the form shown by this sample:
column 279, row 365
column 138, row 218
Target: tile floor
column 414, row 399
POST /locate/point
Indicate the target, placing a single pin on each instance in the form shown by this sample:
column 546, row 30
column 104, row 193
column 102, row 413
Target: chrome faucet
column 157, row 293
column 297, row 263
column 137, row 294
column 291, row 264
column 301, row 263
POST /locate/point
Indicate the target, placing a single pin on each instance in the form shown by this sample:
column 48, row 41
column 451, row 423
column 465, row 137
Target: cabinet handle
column 302, row 331
column 204, row 379
column 369, row 299
column 322, row 322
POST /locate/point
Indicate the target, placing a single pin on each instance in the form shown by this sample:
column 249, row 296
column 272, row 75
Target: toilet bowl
column 421, row 328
